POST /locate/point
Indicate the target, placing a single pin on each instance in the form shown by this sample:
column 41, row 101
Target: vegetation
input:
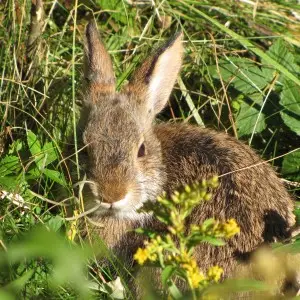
column 240, row 75
column 173, row 253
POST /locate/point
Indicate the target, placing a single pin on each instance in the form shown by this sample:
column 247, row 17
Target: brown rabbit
column 129, row 161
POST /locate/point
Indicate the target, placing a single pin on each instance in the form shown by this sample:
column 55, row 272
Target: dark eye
column 142, row 150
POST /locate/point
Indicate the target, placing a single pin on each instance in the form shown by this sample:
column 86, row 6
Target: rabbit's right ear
column 98, row 68
column 154, row 80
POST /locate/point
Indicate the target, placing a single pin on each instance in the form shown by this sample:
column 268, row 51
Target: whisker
column 85, row 213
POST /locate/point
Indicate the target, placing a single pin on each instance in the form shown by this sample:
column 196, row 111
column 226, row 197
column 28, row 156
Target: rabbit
column 129, row 160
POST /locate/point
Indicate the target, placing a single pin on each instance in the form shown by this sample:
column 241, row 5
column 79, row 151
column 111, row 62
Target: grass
column 240, row 75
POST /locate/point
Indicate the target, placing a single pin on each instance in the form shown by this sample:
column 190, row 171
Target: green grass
column 240, row 75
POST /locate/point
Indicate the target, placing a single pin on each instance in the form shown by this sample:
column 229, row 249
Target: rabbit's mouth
column 122, row 209
column 117, row 205
column 121, row 206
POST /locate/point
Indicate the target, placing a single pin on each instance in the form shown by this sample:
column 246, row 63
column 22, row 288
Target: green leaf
column 213, row 241
column 166, row 274
column 290, row 100
column 49, row 151
column 148, row 232
column 33, row 174
column 115, row 8
column 291, row 165
column 247, row 44
column 43, row 155
column 55, row 176
column 230, row 286
column 18, row 284
column 33, row 143
column 68, row 261
column 208, row 222
column 249, row 116
column 174, row 291
column 243, row 73
column 292, row 248
column 16, row 146
column 12, row 183
column 279, row 51
column 8, row 182
column 55, row 223
column 35, row 147
column 9, row 165
column 4, row 295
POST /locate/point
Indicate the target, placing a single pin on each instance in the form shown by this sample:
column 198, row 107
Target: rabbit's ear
column 155, row 79
column 98, row 69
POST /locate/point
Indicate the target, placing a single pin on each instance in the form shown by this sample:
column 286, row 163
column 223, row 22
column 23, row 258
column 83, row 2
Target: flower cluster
column 183, row 261
column 141, row 255
column 230, row 228
column 181, row 203
column 152, row 250
column 174, row 250
column 215, row 273
column 193, row 194
column 193, row 274
column 216, row 229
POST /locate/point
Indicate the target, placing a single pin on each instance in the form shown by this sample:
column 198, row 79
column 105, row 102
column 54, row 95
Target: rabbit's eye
column 142, row 150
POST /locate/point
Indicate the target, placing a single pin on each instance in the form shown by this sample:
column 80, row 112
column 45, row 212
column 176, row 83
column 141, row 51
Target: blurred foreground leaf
column 68, row 261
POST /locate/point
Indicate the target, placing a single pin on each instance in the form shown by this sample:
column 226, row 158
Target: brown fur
column 114, row 125
column 255, row 197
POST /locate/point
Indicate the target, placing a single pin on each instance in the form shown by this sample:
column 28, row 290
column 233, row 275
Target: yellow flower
column 231, row 228
column 215, row 273
column 196, row 277
column 152, row 257
column 71, row 234
column 141, row 255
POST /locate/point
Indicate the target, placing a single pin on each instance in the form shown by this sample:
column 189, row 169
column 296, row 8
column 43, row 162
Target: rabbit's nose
column 112, row 193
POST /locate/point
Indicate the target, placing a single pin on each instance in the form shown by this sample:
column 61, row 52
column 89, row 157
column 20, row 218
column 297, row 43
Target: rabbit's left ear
column 154, row 80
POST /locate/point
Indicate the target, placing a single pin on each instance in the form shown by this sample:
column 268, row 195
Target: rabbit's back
column 249, row 189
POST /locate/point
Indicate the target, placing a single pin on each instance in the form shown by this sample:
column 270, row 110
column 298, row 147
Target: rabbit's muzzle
column 113, row 192
column 120, row 191
column 115, row 206
column 115, row 198
column 122, row 204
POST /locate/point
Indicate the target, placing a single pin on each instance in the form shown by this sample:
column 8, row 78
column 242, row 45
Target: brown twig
column 34, row 34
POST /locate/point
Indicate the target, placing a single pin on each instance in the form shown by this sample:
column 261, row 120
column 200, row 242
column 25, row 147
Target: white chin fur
column 126, row 208
column 123, row 209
